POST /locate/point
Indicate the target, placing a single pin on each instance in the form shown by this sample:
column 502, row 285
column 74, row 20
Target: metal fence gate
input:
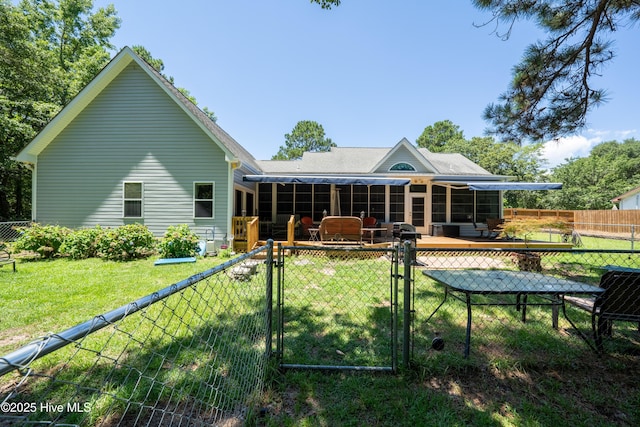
column 337, row 308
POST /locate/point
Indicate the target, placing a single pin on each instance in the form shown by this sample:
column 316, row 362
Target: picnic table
column 463, row 285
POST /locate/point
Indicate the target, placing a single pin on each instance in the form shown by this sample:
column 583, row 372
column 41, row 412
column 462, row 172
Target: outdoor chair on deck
column 280, row 226
column 620, row 301
column 341, row 230
column 481, row 228
column 306, row 222
column 369, row 222
column 494, row 226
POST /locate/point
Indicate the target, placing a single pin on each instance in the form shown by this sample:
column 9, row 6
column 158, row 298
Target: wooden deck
column 484, row 243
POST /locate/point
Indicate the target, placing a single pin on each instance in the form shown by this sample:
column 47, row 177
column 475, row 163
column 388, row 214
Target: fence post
column 269, row 299
column 633, row 233
column 395, row 257
column 406, row 320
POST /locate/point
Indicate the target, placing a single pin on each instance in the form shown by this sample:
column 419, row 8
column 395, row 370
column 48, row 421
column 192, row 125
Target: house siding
column 630, row 202
column 132, row 131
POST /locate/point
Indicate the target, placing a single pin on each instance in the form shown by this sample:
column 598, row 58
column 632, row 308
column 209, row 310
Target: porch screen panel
column 321, row 200
column 345, row 198
column 376, row 202
column 284, row 196
column 487, row 205
column 396, row 204
column 264, row 201
column 461, row 205
column 360, row 200
column 304, row 199
column 250, row 205
column 439, row 204
column 238, row 203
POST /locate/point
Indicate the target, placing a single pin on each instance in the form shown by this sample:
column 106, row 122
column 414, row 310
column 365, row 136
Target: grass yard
column 169, row 354
column 50, row 296
column 518, row 375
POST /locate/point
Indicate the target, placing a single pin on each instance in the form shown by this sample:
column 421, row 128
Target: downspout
column 34, row 189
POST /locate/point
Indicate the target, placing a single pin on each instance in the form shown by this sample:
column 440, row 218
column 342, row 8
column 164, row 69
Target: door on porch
column 418, row 207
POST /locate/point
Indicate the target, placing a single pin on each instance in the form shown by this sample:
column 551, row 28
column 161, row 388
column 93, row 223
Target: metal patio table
column 463, row 284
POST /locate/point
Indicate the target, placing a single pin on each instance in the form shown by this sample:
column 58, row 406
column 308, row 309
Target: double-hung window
column 203, row 199
column 132, row 200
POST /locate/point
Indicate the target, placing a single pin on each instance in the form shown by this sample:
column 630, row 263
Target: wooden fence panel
column 608, row 221
column 623, row 223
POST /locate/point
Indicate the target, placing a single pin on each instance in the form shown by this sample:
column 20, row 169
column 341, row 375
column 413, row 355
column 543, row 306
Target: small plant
column 42, row 239
column 225, row 253
column 179, row 242
column 81, row 244
column 523, row 228
column 126, row 243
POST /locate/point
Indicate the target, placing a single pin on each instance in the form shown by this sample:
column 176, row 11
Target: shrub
column 81, row 244
column 179, row 242
column 43, row 239
column 126, row 243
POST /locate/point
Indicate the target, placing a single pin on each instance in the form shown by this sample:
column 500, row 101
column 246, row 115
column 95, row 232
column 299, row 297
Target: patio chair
column 620, row 302
column 280, row 226
column 494, row 226
column 306, row 222
column 369, row 222
column 481, row 228
column 5, row 257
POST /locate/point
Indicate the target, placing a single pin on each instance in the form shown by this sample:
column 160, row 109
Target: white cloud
column 558, row 150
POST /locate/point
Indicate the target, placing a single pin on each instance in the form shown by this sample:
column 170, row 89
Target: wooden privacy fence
column 622, row 222
column 608, row 221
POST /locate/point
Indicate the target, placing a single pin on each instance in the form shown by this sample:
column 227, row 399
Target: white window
column 203, row 199
column 402, row 166
column 132, row 200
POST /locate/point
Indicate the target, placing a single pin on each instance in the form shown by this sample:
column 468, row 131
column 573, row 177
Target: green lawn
column 517, row 375
column 544, row 377
column 50, row 296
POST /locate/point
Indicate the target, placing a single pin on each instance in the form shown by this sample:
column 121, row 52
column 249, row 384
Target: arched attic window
column 402, row 166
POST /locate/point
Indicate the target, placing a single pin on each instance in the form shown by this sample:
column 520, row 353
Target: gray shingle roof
column 359, row 160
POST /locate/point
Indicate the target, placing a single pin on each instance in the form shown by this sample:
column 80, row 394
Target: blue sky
column 370, row 71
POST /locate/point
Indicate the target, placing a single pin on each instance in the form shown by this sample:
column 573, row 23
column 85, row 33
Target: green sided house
column 130, row 148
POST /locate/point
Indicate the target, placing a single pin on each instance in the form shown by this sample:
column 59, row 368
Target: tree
column 508, row 159
column 551, row 92
column 611, row 169
column 437, row 136
column 327, row 4
column 158, row 65
column 49, row 51
column 306, row 136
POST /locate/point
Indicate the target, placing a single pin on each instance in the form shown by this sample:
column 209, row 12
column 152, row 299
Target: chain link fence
column 8, row 232
column 194, row 353
column 506, row 306
column 337, row 308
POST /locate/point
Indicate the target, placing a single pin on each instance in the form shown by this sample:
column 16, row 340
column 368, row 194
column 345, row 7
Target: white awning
column 493, row 185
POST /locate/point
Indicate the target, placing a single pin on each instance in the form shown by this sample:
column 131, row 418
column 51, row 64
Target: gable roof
column 233, row 151
column 369, row 160
column 625, row 195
